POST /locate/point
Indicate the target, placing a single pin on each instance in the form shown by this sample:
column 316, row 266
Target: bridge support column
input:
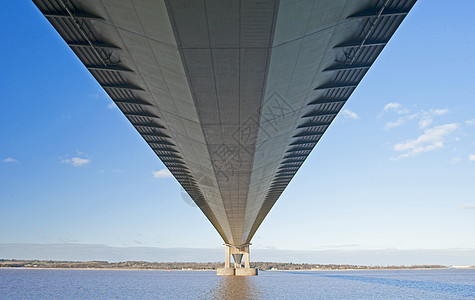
column 237, row 252
column 227, row 261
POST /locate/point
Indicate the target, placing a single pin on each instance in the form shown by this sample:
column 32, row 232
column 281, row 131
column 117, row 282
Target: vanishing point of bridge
column 232, row 95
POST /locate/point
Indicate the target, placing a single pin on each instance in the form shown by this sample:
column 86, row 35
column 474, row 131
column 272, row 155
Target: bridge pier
column 238, row 270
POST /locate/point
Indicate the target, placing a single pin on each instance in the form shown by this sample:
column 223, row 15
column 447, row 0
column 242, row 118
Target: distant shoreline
column 194, row 266
column 210, row 270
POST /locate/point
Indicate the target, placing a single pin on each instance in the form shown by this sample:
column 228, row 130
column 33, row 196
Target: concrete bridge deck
column 232, row 95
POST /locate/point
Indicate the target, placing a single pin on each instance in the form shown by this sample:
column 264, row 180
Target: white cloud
column 397, row 107
column 471, row 157
column 163, row 173
column 439, row 112
column 431, row 139
column 391, row 106
column 425, row 122
column 467, row 206
column 397, row 123
column 428, row 116
column 348, row 114
column 470, row 122
column 10, row 160
column 111, row 105
column 76, row 161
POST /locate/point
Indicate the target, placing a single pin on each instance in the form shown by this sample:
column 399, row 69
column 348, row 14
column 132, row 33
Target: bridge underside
column 232, row 95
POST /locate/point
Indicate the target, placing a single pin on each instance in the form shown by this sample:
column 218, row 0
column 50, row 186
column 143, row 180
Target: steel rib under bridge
column 232, row 95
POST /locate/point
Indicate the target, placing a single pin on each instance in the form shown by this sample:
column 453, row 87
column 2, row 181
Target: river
column 143, row 284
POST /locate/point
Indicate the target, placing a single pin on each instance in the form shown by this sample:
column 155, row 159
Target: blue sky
column 395, row 170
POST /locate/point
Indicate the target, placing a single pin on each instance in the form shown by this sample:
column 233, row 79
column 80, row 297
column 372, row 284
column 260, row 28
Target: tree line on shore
column 143, row 265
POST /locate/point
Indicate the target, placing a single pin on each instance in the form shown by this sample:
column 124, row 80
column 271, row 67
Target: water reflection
column 236, row 287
